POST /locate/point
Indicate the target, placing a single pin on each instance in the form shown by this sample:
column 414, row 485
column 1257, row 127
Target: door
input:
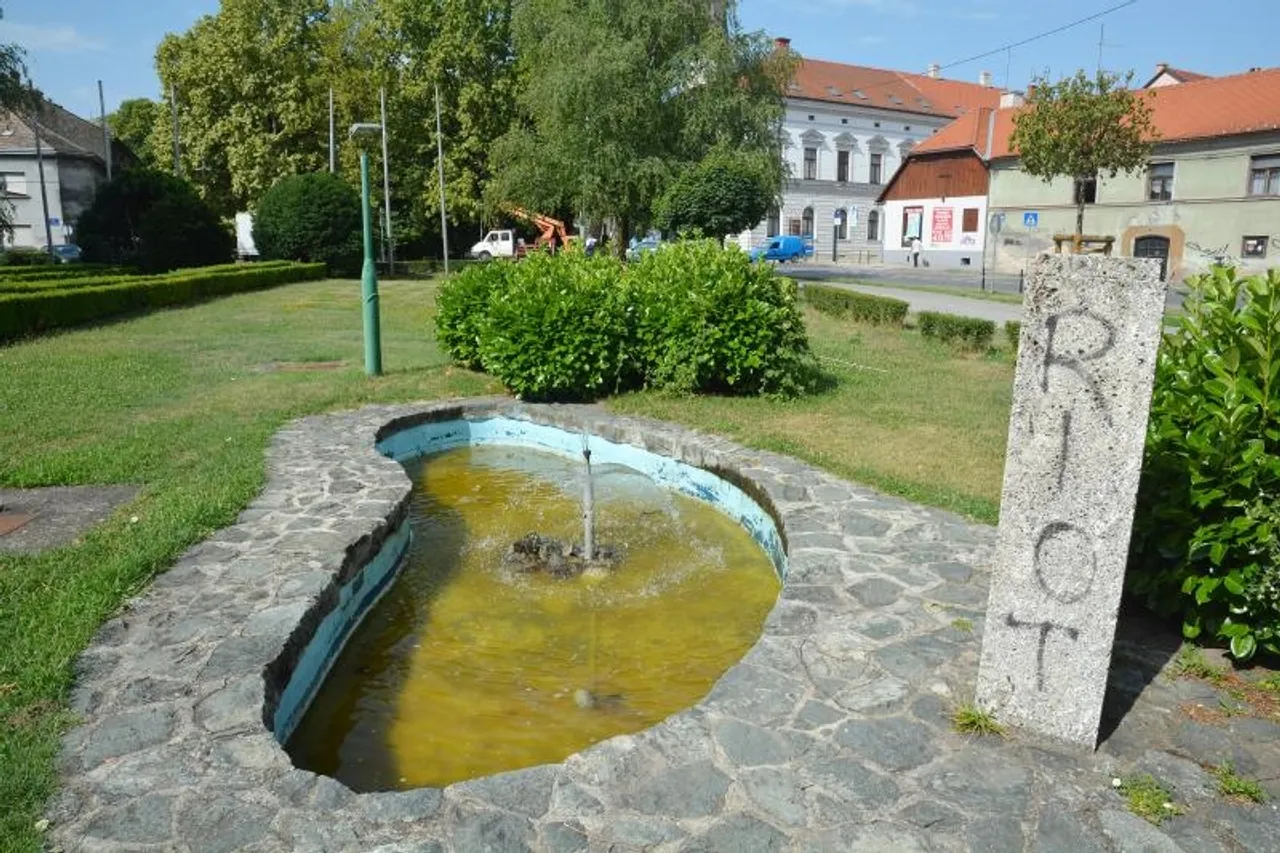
column 1153, row 246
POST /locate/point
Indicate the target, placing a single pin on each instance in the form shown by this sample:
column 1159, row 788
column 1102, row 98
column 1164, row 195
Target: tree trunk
column 1080, row 214
column 622, row 238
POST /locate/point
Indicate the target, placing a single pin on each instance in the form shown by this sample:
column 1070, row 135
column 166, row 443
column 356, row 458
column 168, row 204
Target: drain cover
column 11, row 521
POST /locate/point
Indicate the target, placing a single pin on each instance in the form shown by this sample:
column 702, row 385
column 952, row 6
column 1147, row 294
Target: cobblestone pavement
column 833, row 734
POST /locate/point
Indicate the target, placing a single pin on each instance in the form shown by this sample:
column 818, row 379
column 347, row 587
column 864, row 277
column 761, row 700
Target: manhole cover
column 11, row 521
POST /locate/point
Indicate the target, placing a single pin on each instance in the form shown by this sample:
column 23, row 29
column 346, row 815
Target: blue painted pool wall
column 355, row 599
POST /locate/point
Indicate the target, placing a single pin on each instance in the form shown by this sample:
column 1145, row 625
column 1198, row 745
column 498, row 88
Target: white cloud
column 50, row 38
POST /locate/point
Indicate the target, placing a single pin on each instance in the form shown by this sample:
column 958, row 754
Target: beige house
column 1210, row 194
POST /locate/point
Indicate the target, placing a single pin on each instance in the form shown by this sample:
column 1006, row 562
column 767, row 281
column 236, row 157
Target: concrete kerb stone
column 832, row 725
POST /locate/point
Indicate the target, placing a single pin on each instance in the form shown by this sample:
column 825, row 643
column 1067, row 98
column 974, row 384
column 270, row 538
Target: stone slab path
column 833, row 734
column 57, row 515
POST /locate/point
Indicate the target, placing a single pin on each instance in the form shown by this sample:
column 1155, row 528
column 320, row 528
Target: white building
column 72, row 151
column 846, row 131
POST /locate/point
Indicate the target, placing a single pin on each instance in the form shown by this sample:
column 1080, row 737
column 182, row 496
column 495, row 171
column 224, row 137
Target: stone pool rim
column 176, row 746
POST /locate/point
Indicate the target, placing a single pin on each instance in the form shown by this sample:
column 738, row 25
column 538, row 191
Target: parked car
column 68, row 253
column 782, row 249
column 498, row 244
column 638, row 248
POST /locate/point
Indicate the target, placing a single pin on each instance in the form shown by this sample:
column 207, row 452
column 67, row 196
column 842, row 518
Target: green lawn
column 183, row 403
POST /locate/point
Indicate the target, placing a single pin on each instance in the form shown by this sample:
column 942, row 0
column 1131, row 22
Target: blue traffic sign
column 1031, row 219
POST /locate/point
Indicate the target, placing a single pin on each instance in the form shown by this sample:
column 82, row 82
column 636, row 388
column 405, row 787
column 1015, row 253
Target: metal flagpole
column 44, row 195
column 444, row 228
column 333, row 140
column 106, row 130
column 177, row 144
column 386, row 188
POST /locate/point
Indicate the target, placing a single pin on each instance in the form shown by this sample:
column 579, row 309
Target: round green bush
column 462, row 310
column 153, row 221
column 314, row 218
column 556, row 330
column 1206, row 539
column 710, row 320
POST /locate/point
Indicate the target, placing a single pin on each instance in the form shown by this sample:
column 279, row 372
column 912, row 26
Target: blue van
column 781, row 249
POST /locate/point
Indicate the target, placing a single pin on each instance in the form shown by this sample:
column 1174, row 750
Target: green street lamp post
column 362, row 134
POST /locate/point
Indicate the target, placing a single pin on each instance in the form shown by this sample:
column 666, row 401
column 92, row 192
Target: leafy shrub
column 862, row 307
column 10, row 275
column 153, row 221
column 23, row 314
column 1013, row 334
column 725, row 193
column 1206, row 543
column 691, row 317
column 557, row 329
column 462, row 310
column 949, row 328
column 22, row 256
column 708, row 319
column 311, row 218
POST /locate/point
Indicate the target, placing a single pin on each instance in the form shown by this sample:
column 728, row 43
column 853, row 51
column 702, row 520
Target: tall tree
column 1082, row 127
column 620, row 98
column 134, row 124
column 252, row 97
column 15, row 94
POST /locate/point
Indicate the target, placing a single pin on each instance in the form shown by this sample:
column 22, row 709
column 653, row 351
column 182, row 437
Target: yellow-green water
column 467, row 668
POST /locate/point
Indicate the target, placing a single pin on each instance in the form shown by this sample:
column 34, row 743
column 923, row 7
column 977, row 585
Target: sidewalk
column 945, row 303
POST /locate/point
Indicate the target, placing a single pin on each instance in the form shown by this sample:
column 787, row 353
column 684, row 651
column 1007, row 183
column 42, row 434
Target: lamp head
column 364, row 133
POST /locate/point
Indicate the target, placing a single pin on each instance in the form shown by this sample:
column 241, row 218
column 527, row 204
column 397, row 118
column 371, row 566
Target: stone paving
column 56, row 515
column 833, row 733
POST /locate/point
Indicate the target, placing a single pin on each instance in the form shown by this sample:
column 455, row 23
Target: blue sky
column 73, row 43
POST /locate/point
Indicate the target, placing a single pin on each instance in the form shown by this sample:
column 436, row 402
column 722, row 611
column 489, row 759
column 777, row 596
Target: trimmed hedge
column 1013, row 333
column 41, row 311
column 61, row 271
column 949, row 328
column 107, row 279
column 850, row 304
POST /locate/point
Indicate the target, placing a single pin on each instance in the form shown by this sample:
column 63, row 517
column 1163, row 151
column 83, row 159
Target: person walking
column 916, row 246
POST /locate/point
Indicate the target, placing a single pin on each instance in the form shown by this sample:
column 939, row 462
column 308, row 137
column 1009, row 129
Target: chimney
column 782, row 44
column 1031, row 91
column 984, row 79
column 1011, row 99
column 934, row 71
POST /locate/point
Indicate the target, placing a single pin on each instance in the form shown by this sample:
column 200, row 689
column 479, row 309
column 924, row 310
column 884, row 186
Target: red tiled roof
column 889, row 90
column 1203, row 109
column 1182, row 75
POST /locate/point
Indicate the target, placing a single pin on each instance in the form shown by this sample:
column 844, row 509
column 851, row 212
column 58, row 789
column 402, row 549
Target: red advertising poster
column 942, row 225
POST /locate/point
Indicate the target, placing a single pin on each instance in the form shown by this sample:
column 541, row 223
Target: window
column 969, row 221
column 1160, row 182
column 877, row 164
column 842, row 224
column 912, row 224
column 844, row 121
column 1086, row 189
column 1254, row 247
column 774, row 224
column 877, row 124
column 842, row 166
column 810, row 118
column 811, row 164
column 793, row 227
column 13, row 183
column 906, row 127
column 807, row 226
column 873, row 225
column 1264, row 175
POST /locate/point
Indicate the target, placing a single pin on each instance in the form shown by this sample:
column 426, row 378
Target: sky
column 71, row 44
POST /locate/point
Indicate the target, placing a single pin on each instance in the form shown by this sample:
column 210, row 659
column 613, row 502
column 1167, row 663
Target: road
column 945, row 303
column 923, row 277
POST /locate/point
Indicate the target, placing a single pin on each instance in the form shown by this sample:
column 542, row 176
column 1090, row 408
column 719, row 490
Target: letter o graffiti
column 1052, row 584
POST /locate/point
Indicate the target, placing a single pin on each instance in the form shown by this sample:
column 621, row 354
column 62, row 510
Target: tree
column 134, row 124
column 154, row 221
column 310, row 218
column 1082, row 127
column 15, row 94
column 725, row 193
column 619, row 98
